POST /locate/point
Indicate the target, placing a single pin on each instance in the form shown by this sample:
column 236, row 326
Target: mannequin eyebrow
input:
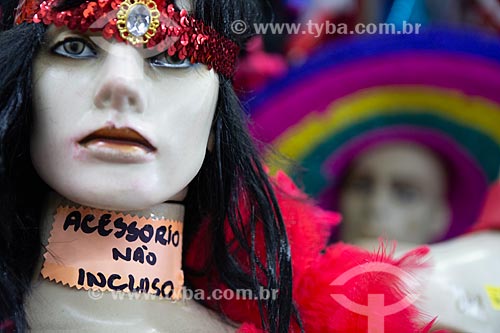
column 53, row 34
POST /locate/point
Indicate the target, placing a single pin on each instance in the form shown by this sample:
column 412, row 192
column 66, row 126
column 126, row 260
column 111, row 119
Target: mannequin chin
column 396, row 191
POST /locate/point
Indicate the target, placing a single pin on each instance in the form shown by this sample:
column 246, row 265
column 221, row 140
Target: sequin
column 177, row 33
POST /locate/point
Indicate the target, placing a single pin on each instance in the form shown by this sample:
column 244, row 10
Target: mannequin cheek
column 439, row 220
column 355, row 216
column 352, row 206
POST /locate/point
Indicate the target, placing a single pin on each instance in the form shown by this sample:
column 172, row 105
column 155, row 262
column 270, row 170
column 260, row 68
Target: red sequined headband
column 152, row 23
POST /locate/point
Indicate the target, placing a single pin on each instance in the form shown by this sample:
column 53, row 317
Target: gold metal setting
column 122, row 16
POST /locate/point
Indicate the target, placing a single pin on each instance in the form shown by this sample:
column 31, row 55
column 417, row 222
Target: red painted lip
column 122, row 136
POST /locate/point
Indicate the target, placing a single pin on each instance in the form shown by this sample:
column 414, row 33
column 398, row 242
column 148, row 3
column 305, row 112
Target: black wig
column 232, row 170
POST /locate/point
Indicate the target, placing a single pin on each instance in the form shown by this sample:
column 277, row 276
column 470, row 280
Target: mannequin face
column 116, row 131
column 397, row 191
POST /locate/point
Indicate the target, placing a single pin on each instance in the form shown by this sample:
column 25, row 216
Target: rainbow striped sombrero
column 440, row 88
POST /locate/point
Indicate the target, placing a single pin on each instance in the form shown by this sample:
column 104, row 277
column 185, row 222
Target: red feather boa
column 315, row 267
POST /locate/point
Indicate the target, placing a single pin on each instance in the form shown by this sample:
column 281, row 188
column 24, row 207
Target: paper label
column 102, row 250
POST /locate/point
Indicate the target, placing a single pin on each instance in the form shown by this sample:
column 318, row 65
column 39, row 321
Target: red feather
column 316, row 266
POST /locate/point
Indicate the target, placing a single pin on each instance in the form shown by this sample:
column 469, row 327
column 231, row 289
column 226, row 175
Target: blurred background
column 399, row 129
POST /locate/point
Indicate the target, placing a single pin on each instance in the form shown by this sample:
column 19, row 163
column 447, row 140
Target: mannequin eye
column 164, row 60
column 406, row 193
column 360, row 184
column 76, row 48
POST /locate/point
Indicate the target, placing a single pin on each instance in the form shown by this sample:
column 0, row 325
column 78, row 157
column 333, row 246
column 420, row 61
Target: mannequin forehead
column 403, row 160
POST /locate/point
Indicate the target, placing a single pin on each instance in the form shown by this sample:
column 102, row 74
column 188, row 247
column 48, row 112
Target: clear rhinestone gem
column 138, row 20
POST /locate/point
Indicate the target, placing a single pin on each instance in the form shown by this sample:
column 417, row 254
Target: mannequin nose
column 377, row 205
column 120, row 95
column 121, row 77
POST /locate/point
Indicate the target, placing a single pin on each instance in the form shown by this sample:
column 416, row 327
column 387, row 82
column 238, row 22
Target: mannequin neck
column 53, row 307
column 173, row 211
column 110, row 250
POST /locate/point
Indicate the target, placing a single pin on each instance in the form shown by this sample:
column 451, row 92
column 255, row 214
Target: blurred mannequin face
column 115, row 130
column 397, row 191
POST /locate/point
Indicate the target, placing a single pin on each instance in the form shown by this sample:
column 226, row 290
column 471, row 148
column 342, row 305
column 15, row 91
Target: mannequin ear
column 211, row 141
column 440, row 222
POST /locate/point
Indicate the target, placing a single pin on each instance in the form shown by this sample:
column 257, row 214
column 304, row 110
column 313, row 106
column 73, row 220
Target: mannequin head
column 51, row 106
column 397, row 190
column 170, row 104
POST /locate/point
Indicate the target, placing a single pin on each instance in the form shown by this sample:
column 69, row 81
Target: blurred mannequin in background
column 344, row 115
column 396, row 190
